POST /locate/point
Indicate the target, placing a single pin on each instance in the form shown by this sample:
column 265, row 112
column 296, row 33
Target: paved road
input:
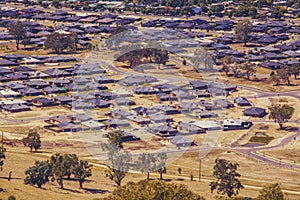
column 250, row 152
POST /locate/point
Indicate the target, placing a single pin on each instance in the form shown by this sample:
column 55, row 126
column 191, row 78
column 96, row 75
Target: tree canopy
column 281, row 113
column 227, row 178
column 38, row 174
column 32, row 140
column 18, row 31
column 271, row 192
column 59, row 42
column 153, row 190
column 242, row 31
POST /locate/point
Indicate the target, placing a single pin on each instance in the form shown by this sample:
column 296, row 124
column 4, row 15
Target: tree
column 161, row 161
column 235, row 68
column 32, row 140
column 82, row 171
column 146, row 163
column 271, row 192
column 284, row 75
column 294, row 70
column 242, row 31
column 2, row 157
column 153, row 190
column 248, row 70
column 227, row 60
column 59, row 169
column 115, row 139
column 18, row 31
column 70, row 162
column 281, row 113
column 11, row 197
column 119, row 168
column 201, row 59
column 59, row 42
column 227, row 178
column 38, row 174
column 275, row 78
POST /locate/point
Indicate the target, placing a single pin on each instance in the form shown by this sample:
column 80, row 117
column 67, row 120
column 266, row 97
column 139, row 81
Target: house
column 116, row 123
column 208, row 125
column 78, row 118
column 79, row 105
column 242, row 101
column 199, row 85
column 137, row 80
column 54, row 73
column 124, row 137
column 15, row 86
column 166, row 109
column 163, row 130
column 104, row 80
column 145, row 90
column 165, row 97
column 36, row 83
column 15, row 108
column 139, row 120
column 160, row 118
column 59, row 82
column 7, row 63
column 99, row 103
column 28, row 91
column 181, row 141
column 58, row 120
column 7, row 93
column 200, row 93
column 63, row 99
column 43, row 102
column 180, row 94
column 205, row 114
column 255, row 112
column 106, row 95
column 188, row 128
column 93, row 125
column 143, row 111
column 68, row 127
column 224, row 103
column 272, row 65
column 235, row 124
column 120, row 113
column 53, row 90
column 187, row 106
column 124, row 102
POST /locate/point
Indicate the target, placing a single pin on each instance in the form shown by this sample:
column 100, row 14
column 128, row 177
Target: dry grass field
column 19, row 159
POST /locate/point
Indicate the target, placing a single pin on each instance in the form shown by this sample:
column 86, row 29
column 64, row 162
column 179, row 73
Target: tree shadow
column 71, row 190
column 12, row 178
column 95, row 191
column 290, row 128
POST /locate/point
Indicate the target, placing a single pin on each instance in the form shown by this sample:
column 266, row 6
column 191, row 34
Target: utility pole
column 2, row 142
column 200, row 170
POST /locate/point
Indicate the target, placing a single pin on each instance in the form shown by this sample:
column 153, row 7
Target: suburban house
column 235, row 124
column 160, row 118
column 12, row 108
column 139, row 120
column 208, row 125
column 255, row 112
column 181, row 141
column 242, row 101
column 163, row 130
column 189, row 128
column 43, row 102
